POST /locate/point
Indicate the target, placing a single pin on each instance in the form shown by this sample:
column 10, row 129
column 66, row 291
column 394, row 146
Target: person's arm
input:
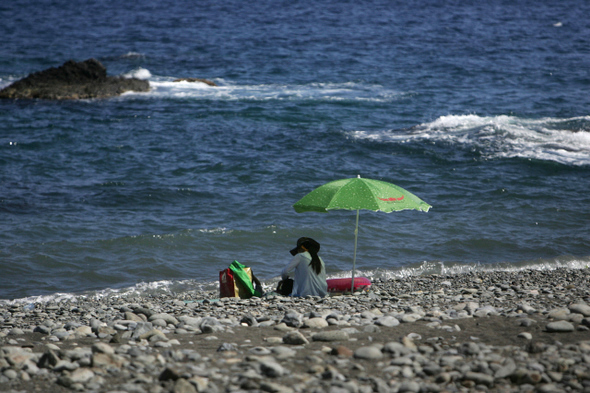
column 290, row 267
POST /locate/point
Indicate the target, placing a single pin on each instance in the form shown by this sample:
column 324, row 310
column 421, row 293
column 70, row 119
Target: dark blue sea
column 482, row 109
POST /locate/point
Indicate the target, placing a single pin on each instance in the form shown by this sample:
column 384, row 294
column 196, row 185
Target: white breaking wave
column 566, row 141
column 139, row 73
column 140, row 289
column 8, row 80
column 133, row 55
column 165, row 87
column 442, row 268
column 196, row 287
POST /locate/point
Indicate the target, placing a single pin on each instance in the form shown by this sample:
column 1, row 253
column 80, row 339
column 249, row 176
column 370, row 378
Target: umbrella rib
column 334, row 197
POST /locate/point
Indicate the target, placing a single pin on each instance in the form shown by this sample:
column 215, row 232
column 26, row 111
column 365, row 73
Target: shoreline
column 210, row 289
column 480, row 331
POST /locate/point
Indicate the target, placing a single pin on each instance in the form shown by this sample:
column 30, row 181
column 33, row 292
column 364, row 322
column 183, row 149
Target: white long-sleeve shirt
column 306, row 281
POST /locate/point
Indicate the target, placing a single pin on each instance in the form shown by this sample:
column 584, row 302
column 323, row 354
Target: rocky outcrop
column 72, row 81
column 208, row 82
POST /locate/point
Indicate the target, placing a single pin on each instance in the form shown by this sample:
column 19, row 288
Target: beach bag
column 285, row 287
column 237, row 281
column 227, row 286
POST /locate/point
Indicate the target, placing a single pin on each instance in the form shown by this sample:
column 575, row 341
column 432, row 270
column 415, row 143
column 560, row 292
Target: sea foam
column 425, row 268
column 565, row 141
column 165, row 87
column 139, row 73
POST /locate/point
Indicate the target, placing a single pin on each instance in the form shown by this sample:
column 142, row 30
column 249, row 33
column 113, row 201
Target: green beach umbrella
column 356, row 194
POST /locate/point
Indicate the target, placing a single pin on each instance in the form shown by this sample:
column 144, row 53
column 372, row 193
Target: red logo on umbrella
column 392, row 199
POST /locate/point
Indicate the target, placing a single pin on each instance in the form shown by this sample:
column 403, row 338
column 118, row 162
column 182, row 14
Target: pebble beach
column 496, row 331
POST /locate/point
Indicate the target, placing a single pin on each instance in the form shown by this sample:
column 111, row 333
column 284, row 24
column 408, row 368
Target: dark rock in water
column 210, row 83
column 72, row 81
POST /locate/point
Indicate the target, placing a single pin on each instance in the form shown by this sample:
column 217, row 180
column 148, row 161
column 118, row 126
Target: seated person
column 307, row 268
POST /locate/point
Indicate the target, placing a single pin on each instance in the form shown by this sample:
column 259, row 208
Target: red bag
column 238, row 281
column 227, row 287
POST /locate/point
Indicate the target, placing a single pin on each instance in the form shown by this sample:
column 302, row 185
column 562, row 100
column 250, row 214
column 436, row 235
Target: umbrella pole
column 356, row 236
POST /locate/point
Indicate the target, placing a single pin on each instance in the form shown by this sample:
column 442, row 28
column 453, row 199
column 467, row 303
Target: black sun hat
column 308, row 243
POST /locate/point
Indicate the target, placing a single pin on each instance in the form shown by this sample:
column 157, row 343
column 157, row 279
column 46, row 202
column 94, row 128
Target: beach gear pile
column 238, row 281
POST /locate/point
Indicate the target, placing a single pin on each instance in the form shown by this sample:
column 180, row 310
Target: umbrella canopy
column 356, row 194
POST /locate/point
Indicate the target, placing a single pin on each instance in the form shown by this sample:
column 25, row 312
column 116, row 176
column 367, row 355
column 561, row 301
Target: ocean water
column 482, row 110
